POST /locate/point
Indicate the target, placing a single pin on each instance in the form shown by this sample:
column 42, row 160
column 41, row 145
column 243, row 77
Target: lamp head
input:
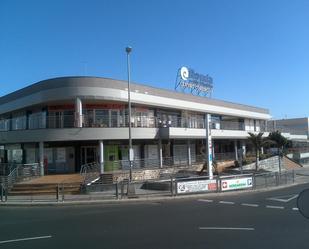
column 128, row 49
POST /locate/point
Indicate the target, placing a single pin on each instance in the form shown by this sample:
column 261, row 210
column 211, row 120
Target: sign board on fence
column 196, row 186
column 236, row 183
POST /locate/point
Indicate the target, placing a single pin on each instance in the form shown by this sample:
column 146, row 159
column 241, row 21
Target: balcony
column 111, row 121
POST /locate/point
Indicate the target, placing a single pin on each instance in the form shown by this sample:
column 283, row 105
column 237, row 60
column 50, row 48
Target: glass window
column 102, row 118
column 4, row 124
column 37, row 120
column 19, row 122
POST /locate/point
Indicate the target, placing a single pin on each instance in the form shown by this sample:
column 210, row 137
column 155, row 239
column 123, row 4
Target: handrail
column 90, row 172
column 19, row 172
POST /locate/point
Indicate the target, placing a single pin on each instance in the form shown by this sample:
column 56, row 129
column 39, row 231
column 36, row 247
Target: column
column 160, row 154
column 208, row 145
column 41, row 157
column 78, row 113
column 101, row 155
column 189, row 153
column 243, row 146
column 236, row 150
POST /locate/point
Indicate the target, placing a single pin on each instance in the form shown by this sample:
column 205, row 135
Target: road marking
column 227, row 202
column 25, row 239
column 295, row 209
column 249, row 205
column 227, row 228
column 205, row 200
column 284, row 199
column 276, row 207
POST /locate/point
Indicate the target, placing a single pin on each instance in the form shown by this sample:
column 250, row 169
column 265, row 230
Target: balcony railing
column 117, row 121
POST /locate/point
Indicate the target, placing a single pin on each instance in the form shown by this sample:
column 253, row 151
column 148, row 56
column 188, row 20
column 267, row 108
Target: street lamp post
column 131, row 153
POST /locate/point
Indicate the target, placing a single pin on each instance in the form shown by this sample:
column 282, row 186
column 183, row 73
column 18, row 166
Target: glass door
column 88, row 154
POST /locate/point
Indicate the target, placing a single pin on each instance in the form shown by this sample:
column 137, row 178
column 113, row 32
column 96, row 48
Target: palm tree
column 280, row 142
column 258, row 142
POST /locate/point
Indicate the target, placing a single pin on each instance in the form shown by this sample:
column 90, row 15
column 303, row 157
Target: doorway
column 88, row 154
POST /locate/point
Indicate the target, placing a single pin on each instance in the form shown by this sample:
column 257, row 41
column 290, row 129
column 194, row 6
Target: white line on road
column 285, row 199
column 276, row 207
column 227, row 228
column 249, row 205
column 295, row 209
column 205, row 200
column 25, row 239
column 227, row 202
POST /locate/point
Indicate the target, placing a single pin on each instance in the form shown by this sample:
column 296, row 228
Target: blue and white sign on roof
column 189, row 81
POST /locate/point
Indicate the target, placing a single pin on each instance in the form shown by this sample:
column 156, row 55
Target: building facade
column 67, row 122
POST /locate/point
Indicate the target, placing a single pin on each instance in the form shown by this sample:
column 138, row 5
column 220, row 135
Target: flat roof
column 87, row 81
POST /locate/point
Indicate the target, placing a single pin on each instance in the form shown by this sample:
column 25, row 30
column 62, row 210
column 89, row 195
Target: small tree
column 257, row 142
column 280, row 142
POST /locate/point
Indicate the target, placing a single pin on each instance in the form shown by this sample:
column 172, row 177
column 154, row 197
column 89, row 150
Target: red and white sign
column 236, row 183
column 196, row 186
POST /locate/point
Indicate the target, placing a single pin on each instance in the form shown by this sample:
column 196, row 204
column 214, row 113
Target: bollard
column 6, row 194
column 117, row 194
column 172, row 189
column 218, row 184
column 57, row 193
column 1, row 192
column 122, row 189
column 62, row 189
column 277, row 178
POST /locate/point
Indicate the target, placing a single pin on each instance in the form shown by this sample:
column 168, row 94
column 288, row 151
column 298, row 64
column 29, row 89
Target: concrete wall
column 269, row 164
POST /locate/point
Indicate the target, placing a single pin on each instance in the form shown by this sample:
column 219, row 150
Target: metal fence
column 173, row 186
column 19, row 172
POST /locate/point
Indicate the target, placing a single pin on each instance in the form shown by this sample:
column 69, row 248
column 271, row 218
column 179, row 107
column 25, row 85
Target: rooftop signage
column 191, row 82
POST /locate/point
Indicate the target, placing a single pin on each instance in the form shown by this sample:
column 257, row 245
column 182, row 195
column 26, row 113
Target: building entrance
column 88, row 154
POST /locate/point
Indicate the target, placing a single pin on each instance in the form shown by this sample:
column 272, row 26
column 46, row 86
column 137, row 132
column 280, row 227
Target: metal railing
column 90, row 172
column 18, row 173
column 6, row 168
column 173, row 186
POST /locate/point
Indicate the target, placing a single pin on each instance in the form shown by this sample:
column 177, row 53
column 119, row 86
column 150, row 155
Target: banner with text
column 196, row 186
column 236, row 183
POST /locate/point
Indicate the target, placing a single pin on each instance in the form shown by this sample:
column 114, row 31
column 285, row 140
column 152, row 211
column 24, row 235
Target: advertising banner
column 236, row 183
column 196, row 186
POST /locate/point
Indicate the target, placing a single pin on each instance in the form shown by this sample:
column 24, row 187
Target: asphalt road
column 242, row 220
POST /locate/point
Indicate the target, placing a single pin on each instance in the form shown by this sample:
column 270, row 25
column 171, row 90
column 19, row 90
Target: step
column 27, row 193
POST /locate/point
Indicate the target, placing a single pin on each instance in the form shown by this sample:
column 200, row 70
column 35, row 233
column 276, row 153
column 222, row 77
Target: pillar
column 189, row 153
column 243, row 147
column 101, row 156
column 208, row 145
column 41, row 157
column 160, row 154
column 78, row 113
column 236, row 150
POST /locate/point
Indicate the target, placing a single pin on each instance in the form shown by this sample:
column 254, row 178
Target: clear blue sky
column 256, row 51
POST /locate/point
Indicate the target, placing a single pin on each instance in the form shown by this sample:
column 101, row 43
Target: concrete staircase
column 290, row 164
column 106, row 178
column 48, row 185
